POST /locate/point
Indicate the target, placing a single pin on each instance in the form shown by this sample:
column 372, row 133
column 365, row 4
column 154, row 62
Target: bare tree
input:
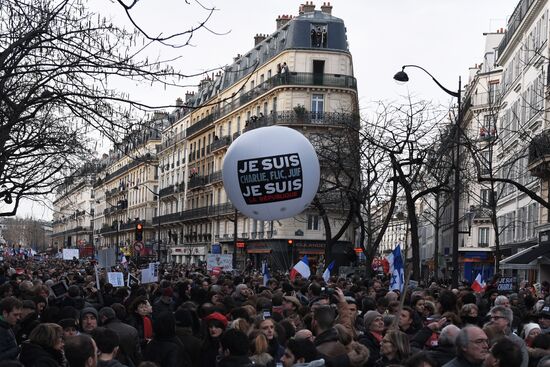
column 406, row 134
column 58, row 62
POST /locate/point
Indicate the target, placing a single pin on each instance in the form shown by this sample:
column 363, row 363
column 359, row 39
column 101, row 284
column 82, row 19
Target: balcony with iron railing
column 215, row 177
column 220, row 143
column 539, row 155
column 197, row 213
column 196, row 181
column 293, row 78
column 169, row 190
column 292, row 118
column 514, row 22
column 171, row 141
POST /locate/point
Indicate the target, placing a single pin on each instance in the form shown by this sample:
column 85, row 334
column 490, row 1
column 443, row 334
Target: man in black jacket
column 235, row 349
column 10, row 307
column 130, row 351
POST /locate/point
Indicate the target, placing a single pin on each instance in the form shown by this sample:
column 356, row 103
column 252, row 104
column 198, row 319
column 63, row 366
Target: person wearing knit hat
column 530, row 332
column 216, row 323
column 216, row 316
column 374, row 328
column 88, row 319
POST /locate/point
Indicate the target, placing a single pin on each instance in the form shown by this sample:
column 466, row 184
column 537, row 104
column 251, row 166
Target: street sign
column 138, row 246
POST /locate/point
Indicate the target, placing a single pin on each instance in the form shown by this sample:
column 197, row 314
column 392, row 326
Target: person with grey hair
column 501, row 318
column 502, row 301
column 472, row 347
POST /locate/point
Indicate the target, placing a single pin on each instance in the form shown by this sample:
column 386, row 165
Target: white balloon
column 271, row 173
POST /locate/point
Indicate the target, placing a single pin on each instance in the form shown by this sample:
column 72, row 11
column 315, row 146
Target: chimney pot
column 258, row 38
column 308, row 7
column 326, row 8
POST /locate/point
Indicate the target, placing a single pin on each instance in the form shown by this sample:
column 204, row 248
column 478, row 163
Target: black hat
column 67, row 323
column 183, row 318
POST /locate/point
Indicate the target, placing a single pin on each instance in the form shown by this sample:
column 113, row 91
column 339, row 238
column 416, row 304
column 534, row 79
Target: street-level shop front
column 188, row 254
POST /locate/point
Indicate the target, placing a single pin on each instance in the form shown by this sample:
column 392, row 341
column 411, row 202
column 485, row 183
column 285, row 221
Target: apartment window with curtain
column 483, row 237
column 317, row 106
column 313, row 222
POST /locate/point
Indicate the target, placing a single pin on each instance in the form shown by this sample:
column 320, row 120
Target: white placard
column 116, row 279
column 71, row 253
column 223, row 261
column 147, row 276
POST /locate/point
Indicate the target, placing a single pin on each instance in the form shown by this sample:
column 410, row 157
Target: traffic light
column 139, row 232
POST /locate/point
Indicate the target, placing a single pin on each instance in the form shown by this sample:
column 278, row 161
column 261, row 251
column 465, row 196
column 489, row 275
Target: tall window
column 313, row 222
column 485, row 197
column 317, row 106
column 483, row 237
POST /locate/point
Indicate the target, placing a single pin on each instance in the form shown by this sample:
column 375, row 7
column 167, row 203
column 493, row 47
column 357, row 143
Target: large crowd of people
column 190, row 318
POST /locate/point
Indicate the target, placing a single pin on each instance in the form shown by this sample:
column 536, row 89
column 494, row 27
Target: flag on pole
column 397, row 271
column 478, row 285
column 302, row 268
column 328, row 270
column 265, row 272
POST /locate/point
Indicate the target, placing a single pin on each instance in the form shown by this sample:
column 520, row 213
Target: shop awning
column 527, row 259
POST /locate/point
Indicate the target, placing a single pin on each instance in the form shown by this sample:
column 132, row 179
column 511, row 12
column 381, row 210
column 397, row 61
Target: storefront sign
column 189, row 251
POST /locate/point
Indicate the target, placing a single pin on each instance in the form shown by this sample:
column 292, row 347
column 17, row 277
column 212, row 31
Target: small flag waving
column 265, row 272
column 302, row 268
column 123, row 260
column 328, row 270
column 478, row 284
column 397, row 271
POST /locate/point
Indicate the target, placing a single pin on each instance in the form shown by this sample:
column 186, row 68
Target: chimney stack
column 258, row 38
column 326, row 8
column 189, row 96
column 308, row 7
column 179, row 102
column 282, row 20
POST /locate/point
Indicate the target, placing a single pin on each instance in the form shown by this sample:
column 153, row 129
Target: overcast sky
column 444, row 36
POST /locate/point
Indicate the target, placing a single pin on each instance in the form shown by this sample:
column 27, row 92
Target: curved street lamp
column 401, row 76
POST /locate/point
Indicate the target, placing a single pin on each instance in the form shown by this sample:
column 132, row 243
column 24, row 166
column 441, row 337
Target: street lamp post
column 401, row 76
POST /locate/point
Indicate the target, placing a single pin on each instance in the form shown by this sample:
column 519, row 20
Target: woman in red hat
column 216, row 324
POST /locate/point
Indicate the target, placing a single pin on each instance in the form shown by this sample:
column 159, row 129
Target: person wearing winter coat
column 44, row 347
column 374, row 329
column 216, row 324
column 129, row 345
column 394, row 349
column 234, row 344
column 108, row 344
column 165, row 349
column 10, row 309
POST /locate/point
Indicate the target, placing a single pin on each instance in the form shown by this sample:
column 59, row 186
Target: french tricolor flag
column 302, row 268
column 478, row 285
